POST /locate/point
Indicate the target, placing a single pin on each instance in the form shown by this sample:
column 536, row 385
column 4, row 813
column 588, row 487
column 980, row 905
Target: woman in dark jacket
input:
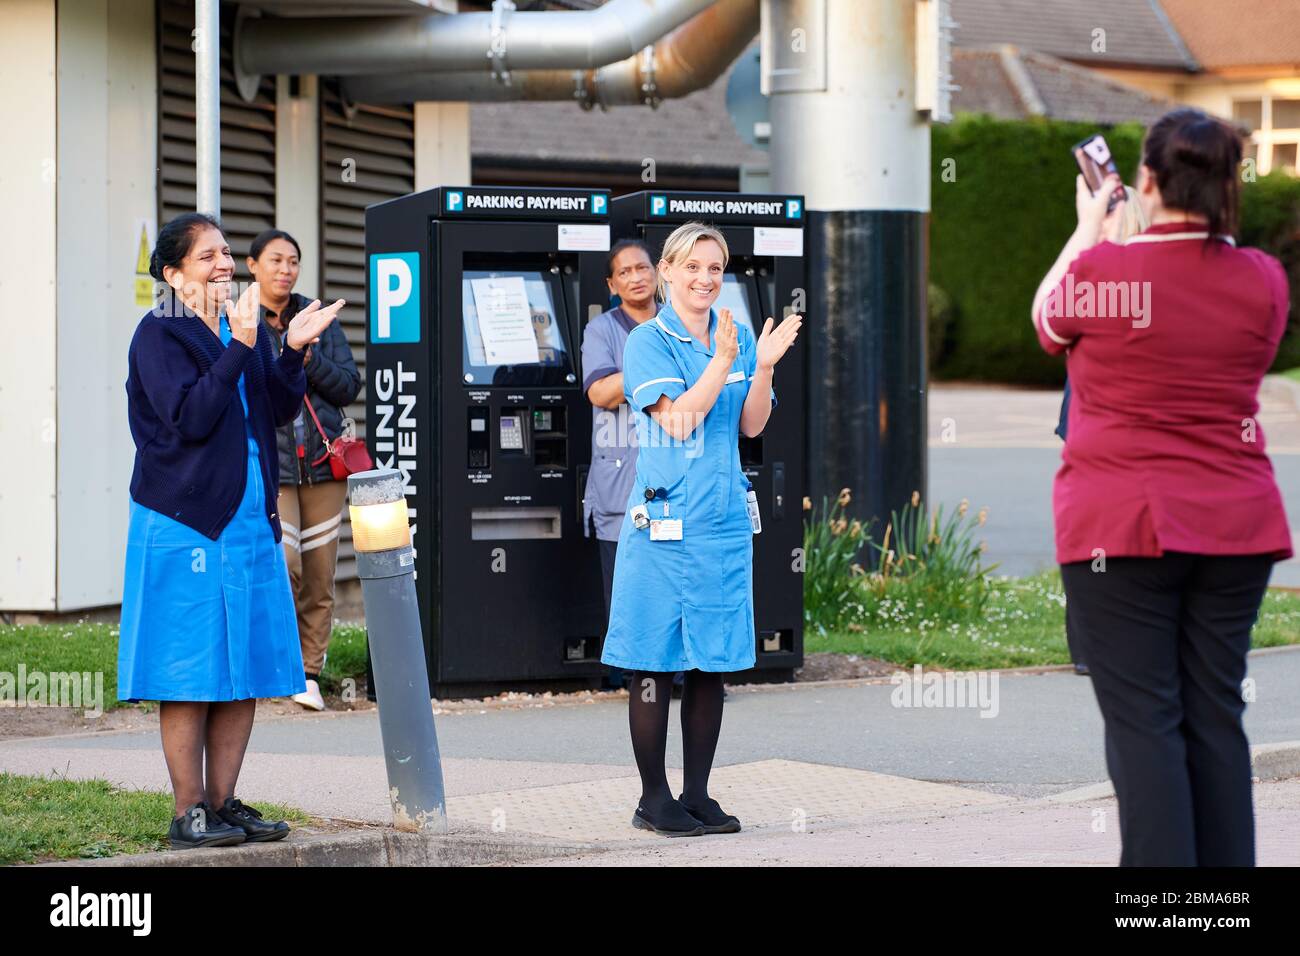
column 207, row 618
column 311, row 499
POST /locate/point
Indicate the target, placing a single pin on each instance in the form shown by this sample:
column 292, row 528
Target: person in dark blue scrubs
column 613, row 439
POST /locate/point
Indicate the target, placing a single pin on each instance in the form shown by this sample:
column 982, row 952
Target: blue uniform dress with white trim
column 688, row 604
column 208, row 620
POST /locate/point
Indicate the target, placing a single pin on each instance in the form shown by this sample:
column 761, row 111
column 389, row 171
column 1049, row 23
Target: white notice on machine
column 583, row 238
column 505, row 320
column 777, row 241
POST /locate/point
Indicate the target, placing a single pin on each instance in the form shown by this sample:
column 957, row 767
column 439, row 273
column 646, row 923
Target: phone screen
column 1096, row 163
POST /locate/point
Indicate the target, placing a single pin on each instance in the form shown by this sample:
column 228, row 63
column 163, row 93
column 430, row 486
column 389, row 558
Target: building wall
column 441, row 145
column 297, row 171
column 106, row 198
column 27, row 307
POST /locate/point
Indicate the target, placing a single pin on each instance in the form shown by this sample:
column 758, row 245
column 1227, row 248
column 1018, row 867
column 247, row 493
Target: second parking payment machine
column 766, row 276
column 474, row 391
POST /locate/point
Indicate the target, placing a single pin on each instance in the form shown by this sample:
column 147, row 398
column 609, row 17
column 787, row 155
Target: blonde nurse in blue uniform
column 683, row 593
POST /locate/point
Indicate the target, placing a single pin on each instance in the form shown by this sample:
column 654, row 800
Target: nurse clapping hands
column 683, row 596
column 303, row 330
column 681, row 417
column 208, row 622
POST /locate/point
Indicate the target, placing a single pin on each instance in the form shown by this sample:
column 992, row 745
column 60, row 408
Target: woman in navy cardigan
column 208, row 621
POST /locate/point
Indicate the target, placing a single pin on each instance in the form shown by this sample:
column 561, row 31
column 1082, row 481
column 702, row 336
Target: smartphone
column 1096, row 163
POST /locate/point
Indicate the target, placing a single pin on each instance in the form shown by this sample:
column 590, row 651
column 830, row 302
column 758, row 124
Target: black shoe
column 714, row 818
column 256, row 830
column 672, row 821
column 1082, row 670
column 201, row 826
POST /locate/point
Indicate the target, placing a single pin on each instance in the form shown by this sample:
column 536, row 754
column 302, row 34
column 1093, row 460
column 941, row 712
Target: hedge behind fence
column 998, row 225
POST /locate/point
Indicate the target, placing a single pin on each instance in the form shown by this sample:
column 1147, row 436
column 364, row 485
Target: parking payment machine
column 765, row 276
column 474, row 391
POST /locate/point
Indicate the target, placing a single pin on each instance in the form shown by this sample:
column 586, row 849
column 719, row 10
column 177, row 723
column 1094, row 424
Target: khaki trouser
column 310, row 519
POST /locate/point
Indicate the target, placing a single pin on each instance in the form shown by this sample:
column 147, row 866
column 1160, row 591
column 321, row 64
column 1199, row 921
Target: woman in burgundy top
column 1168, row 517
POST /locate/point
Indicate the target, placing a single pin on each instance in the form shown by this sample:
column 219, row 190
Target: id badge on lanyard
column 665, row 528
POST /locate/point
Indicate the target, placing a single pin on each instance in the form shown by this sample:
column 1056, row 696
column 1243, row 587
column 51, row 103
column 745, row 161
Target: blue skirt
column 208, row 620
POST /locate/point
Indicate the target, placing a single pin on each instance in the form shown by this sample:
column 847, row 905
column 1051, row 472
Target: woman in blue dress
column 683, row 593
column 208, row 621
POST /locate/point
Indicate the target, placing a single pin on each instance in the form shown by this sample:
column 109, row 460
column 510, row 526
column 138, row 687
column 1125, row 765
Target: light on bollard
column 380, row 527
column 381, row 535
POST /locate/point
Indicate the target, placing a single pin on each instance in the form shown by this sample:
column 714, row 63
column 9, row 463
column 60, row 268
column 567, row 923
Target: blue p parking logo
column 597, row 204
column 455, row 200
column 658, row 205
column 395, row 297
column 793, row 209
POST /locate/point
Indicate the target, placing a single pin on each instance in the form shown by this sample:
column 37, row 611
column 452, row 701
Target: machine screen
column 735, row 296
column 514, row 333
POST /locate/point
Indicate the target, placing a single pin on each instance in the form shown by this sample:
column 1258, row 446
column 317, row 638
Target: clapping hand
column 242, row 316
column 306, row 327
column 774, row 342
column 726, row 342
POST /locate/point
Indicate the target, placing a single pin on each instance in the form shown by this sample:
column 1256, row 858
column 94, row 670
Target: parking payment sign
column 394, row 297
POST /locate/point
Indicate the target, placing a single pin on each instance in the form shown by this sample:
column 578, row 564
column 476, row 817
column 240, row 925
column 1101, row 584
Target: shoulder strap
column 323, row 437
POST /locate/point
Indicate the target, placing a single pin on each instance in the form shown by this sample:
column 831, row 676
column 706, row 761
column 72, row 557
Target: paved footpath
column 819, row 773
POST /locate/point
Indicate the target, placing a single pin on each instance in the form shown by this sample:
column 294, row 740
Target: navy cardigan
column 191, row 452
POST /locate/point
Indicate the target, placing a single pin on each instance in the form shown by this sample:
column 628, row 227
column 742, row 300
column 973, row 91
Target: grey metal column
column 846, row 133
column 401, row 675
column 207, row 106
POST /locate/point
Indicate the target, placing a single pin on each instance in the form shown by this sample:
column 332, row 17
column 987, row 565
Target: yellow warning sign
column 142, row 253
column 143, row 281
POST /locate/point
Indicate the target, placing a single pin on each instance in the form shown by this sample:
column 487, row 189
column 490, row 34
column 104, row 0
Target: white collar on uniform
column 660, row 323
column 1171, row 236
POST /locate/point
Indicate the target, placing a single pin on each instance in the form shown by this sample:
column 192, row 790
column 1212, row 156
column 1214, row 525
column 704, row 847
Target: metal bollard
column 381, row 534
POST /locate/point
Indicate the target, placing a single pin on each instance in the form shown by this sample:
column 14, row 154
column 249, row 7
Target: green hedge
column 999, row 223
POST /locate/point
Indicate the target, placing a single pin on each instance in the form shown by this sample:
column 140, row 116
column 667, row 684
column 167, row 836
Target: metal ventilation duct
column 690, row 58
column 498, row 42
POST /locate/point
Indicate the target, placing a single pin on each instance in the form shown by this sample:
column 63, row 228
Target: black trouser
column 1166, row 641
column 1072, row 638
column 608, row 555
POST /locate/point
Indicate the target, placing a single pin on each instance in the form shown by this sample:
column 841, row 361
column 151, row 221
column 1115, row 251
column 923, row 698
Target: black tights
column 650, row 694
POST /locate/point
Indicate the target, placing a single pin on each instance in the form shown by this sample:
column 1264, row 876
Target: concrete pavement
column 818, row 773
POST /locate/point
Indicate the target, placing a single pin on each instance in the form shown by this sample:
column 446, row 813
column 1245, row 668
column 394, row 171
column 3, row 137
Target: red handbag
column 347, row 455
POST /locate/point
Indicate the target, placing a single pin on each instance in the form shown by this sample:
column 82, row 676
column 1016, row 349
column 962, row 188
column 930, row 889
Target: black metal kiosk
column 473, row 390
column 766, row 276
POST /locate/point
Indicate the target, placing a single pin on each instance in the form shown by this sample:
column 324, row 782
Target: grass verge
column 1022, row 625
column 44, row 819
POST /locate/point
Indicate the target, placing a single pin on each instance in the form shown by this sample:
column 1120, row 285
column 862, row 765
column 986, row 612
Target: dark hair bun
column 1191, row 157
column 1194, row 158
column 155, row 267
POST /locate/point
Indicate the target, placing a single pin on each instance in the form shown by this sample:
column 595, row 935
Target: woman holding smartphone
column 1121, row 224
column 1168, row 516
column 682, row 598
